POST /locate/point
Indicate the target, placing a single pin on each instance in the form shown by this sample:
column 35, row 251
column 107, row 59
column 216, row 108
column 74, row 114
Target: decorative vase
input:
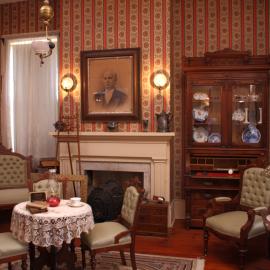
column 53, row 201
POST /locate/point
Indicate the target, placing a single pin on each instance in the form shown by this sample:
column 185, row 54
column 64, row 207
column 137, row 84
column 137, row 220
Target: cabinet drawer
column 156, row 209
column 153, row 219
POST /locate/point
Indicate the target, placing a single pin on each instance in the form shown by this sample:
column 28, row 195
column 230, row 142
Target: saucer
column 75, row 205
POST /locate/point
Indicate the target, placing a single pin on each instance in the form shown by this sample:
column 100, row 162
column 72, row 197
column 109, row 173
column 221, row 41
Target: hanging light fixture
column 43, row 49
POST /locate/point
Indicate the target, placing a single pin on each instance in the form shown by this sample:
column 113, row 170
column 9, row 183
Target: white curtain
column 30, row 101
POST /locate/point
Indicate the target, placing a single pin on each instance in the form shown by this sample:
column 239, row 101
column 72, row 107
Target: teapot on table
column 163, row 121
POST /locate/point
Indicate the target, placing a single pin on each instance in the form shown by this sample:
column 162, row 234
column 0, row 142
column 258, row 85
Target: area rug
column 112, row 261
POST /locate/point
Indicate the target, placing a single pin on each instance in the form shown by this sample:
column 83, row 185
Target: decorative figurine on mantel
column 163, row 121
column 112, row 126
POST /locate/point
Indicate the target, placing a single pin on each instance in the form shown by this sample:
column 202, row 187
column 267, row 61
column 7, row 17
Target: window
column 30, row 99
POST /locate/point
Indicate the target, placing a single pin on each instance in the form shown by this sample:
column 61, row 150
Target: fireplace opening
column 106, row 191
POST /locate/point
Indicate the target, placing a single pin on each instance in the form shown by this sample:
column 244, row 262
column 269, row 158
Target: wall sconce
column 160, row 80
column 43, row 49
column 68, row 82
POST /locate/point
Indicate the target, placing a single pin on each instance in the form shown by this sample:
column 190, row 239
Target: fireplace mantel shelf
column 84, row 135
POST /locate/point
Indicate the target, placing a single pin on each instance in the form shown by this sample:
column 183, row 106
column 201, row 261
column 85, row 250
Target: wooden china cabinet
column 225, row 124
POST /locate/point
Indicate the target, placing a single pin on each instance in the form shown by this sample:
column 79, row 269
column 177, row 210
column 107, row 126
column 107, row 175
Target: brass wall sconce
column 68, row 82
column 43, row 49
column 160, row 80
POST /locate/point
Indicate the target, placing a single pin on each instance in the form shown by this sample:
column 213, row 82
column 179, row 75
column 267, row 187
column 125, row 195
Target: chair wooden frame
column 9, row 260
column 64, row 179
column 217, row 207
column 120, row 247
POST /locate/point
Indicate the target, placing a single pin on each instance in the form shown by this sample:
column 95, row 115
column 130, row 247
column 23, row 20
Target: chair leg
column 242, row 253
column 123, row 259
column 268, row 243
column 24, row 264
column 83, row 255
column 205, row 237
column 93, row 260
column 9, row 266
column 132, row 257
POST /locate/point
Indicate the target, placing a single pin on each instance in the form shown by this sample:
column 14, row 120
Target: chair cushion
column 230, row 223
column 103, row 235
column 13, row 195
column 10, row 246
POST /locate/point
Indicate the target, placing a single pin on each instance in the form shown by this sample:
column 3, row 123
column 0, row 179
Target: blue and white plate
column 200, row 114
column 214, row 138
column 200, row 135
column 251, row 135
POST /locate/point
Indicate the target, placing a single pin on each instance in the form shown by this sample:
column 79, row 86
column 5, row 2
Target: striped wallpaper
column 23, row 17
column 109, row 24
column 209, row 25
column 165, row 30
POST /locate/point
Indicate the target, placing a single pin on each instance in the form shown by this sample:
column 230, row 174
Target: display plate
column 214, row 137
column 200, row 114
column 75, row 205
column 200, row 96
column 200, row 135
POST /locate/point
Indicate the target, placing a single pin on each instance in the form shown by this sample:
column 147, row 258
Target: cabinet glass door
column 206, row 114
column 247, row 114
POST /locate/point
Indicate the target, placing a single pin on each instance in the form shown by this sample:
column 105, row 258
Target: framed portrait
column 110, row 85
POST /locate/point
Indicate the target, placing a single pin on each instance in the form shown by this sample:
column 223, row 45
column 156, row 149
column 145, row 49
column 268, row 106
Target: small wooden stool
column 12, row 250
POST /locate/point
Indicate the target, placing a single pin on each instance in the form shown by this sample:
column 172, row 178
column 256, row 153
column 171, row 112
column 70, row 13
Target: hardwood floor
column 188, row 243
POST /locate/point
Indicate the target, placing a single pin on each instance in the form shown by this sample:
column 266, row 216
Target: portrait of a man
column 110, row 96
column 110, row 84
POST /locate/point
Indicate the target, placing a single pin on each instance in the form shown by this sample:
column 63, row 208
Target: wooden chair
column 238, row 220
column 69, row 185
column 12, row 250
column 115, row 235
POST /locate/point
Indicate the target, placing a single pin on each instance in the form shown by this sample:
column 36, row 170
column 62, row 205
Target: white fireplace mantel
column 141, row 149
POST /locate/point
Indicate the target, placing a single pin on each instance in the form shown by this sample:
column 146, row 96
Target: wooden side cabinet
column 153, row 219
column 226, row 126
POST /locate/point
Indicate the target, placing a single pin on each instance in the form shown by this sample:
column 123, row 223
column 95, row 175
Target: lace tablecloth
column 60, row 224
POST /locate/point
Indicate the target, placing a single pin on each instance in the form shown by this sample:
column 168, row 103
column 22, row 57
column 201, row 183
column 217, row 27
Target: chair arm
column 121, row 235
column 247, row 226
column 260, row 210
column 220, row 205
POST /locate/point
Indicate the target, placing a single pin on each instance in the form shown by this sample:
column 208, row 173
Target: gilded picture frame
column 110, row 89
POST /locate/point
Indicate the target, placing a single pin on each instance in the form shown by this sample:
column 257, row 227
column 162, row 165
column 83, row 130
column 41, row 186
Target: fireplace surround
column 146, row 152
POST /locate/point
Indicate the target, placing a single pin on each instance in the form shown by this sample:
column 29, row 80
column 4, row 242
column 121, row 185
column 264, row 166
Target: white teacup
column 75, row 201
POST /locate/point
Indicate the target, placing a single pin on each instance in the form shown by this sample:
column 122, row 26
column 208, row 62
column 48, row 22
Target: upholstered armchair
column 239, row 220
column 14, row 174
column 115, row 235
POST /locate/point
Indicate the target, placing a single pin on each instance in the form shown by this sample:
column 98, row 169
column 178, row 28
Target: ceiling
column 9, row 1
